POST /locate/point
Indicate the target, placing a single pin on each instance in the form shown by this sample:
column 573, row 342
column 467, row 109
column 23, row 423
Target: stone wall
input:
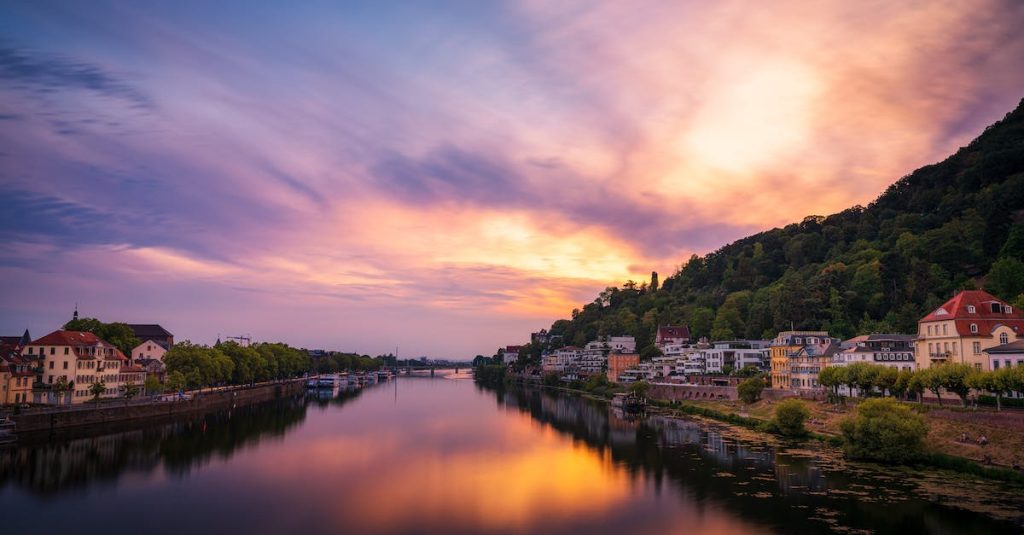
column 110, row 412
column 698, row 392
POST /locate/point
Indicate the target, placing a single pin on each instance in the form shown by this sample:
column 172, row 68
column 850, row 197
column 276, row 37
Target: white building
column 79, row 360
column 148, row 350
column 510, row 354
column 891, row 350
column 736, row 353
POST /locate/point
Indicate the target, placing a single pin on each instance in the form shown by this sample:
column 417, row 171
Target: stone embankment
column 59, row 418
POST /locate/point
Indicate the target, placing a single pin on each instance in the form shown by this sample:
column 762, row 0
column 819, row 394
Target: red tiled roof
column 67, row 338
column 957, row 309
column 670, row 331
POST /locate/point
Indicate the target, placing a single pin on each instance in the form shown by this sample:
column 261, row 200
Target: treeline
column 338, row 362
column 116, row 333
column 948, row 226
column 195, row 366
column 956, row 379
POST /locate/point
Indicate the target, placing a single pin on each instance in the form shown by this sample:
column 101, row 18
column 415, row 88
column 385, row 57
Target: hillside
column 951, row 225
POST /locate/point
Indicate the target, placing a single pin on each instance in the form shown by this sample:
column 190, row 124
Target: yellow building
column 77, row 359
column 962, row 328
column 786, row 344
column 620, row 362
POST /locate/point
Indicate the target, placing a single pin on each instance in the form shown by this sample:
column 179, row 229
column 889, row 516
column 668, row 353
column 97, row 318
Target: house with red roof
column 76, row 360
column 962, row 328
column 672, row 334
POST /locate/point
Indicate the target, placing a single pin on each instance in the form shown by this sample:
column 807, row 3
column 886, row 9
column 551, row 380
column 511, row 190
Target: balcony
column 937, row 357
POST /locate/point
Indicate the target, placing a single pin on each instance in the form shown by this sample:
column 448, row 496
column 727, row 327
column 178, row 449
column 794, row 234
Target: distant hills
column 947, row 226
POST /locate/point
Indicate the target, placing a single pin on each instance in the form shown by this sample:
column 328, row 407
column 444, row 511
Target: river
column 442, row 455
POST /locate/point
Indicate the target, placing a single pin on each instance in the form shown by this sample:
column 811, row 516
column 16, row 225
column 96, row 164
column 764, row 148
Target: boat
column 385, row 375
column 629, row 402
column 7, row 435
column 327, row 381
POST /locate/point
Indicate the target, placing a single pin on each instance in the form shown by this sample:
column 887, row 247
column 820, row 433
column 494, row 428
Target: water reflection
column 443, row 456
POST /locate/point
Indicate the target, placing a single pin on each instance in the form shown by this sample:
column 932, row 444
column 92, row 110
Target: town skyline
column 448, row 179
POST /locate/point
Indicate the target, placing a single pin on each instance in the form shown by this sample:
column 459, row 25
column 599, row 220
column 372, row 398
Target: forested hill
column 952, row 225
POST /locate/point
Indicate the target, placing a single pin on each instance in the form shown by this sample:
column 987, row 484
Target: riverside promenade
column 50, row 419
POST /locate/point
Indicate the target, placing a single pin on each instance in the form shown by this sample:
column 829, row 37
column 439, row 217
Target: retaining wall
column 64, row 418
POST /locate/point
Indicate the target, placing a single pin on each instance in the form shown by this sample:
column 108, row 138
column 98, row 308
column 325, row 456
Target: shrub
column 790, row 415
column 750, row 389
column 884, row 430
column 552, row 379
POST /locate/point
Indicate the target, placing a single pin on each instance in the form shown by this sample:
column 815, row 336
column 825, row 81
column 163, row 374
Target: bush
column 552, row 379
column 790, row 415
column 884, row 430
column 750, row 389
column 491, row 375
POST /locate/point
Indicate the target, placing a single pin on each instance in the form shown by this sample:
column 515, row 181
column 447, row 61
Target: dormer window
column 1008, row 309
column 974, row 328
column 996, row 307
column 1004, row 339
column 971, row 309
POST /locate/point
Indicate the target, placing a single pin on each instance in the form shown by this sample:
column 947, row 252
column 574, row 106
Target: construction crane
column 244, row 341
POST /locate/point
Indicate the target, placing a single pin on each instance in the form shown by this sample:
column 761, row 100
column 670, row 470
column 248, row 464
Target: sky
column 446, row 177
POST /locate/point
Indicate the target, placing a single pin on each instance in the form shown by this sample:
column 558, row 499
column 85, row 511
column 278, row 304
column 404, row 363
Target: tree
column 639, row 388
column 865, row 376
column 1006, row 278
column 901, row 386
column 884, row 430
column 552, row 379
column 829, row 377
column 152, row 385
column 790, row 415
column 886, row 378
column 931, row 379
column 97, row 389
column 917, row 383
column 176, row 381
column 750, row 389
column 956, row 378
column 117, row 333
column 996, row 382
column 61, row 387
column 131, row 390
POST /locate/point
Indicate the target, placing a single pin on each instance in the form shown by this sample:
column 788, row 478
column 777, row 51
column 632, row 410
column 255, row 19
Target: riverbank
column 60, row 418
column 946, row 424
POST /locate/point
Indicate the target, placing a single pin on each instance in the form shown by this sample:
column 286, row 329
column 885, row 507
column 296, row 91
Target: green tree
column 175, row 381
column 884, row 430
column 1006, row 278
column 97, row 389
column 931, row 379
column 749, row 390
column 639, row 388
column 790, row 415
column 956, row 378
column 997, row 382
column 152, row 385
column 886, row 379
column 131, row 390
column 552, row 379
column 829, row 377
column 116, row 333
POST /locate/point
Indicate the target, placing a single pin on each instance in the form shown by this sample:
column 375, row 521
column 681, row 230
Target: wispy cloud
column 469, row 173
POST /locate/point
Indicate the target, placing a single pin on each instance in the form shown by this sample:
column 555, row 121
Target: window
column 977, row 348
column 1004, row 339
column 929, row 330
column 65, row 364
column 1008, row 365
column 51, row 364
column 1008, row 309
column 65, row 350
column 974, row 328
column 977, row 366
column 944, row 329
column 971, row 309
column 997, row 308
column 53, row 350
column 931, row 351
column 995, row 364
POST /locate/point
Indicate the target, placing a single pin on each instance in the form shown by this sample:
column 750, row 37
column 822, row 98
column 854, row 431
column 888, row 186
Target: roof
column 67, row 338
column 164, row 346
column 1012, row 347
column 959, row 308
column 10, row 340
column 817, row 350
column 673, row 331
column 145, row 331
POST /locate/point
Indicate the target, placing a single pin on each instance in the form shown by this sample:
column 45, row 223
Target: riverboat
column 7, row 435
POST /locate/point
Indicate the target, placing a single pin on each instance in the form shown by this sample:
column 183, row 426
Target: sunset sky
column 447, row 177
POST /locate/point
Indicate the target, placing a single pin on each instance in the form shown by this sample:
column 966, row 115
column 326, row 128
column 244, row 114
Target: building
column 1006, row 355
column 963, row 327
column 510, row 354
column 543, row 337
column 148, row 350
column 614, row 344
column 77, row 359
column 736, row 354
column 672, row 334
column 153, row 332
column 786, row 343
column 892, row 350
column 807, row 362
column 16, row 376
column 620, row 362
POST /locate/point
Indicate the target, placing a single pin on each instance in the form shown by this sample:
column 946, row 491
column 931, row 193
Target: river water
column 442, row 455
